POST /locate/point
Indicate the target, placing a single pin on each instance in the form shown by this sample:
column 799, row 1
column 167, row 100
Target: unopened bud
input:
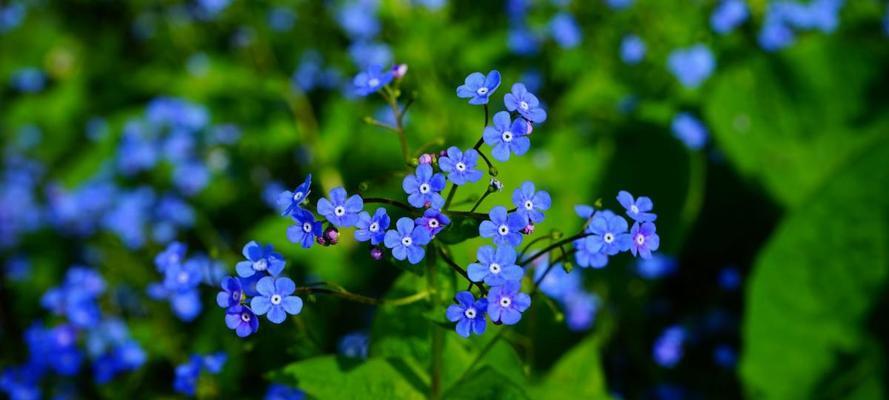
column 399, row 70
column 528, row 229
column 331, row 235
column 425, row 158
column 495, row 185
column 376, row 253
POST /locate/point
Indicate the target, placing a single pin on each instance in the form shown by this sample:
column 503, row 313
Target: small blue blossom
column 424, row 188
column 526, row 103
column 690, row 131
column 407, row 241
column 619, row 4
column 608, row 232
column 637, row 209
column 358, row 19
column 522, row 40
column 289, row 201
column 281, row 19
column 507, row 136
column 433, row 221
column 657, row 266
column 186, row 376
column 589, row 254
column 259, row 259
column 172, row 255
column 468, row 313
column 495, row 267
column 283, row 392
column 305, row 230
column 276, row 299
column 242, row 320
column 580, row 310
column 725, row 356
column 354, row 345
column 729, row 279
column 478, row 87
column 29, row 80
column 506, row 303
column 231, row 295
column 372, row 229
column 460, row 166
column 372, row 80
column 668, row 349
column 565, row 31
column 531, row 204
column 367, row 54
column 692, row 66
column 728, row 15
column 340, row 211
column 191, row 177
column 213, row 363
column 644, row 239
column 505, row 229
column 632, row 49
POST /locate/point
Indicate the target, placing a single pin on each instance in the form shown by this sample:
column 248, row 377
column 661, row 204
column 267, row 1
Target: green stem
column 479, row 202
column 364, row 299
column 451, row 195
column 391, row 98
column 390, row 202
column 437, row 333
column 482, row 138
column 553, row 246
column 461, row 271
column 697, row 179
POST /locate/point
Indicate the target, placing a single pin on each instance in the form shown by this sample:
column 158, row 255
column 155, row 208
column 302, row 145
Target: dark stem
column 395, row 203
column 491, row 170
column 451, row 195
column 549, row 268
column 461, row 271
column 363, row 299
column 482, row 139
column 536, row 240
column 479, row 202
column 553, row 246
column 437, row 332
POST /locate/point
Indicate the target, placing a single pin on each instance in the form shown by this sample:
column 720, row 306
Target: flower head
column 728, row 16
column 340, row 211
column 231, row 294
column 507, row 136
column 495, row 267
column 644, row 239
column 305, row 230
column 260, row 259
column 407, row 241
column 637, row 209
column 242, row 320
column 531, row 204
column 276, row 299
column 289, row 201
column 173, row 254
column 424, row 188
column 468, row 313
column 433, row 221
column 460, row 166
column 506, row 303
column 372, row 229
column 689, row 130
column 632, row 49
column 478, row 88
column 526, row 103
column 372, row 79
column 692, row 66
column 505, row 229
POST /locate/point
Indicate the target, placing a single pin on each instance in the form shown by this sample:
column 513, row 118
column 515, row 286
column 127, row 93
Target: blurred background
column 759, row 128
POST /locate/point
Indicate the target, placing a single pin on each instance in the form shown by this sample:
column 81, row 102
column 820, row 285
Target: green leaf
column 486, row 383
column 577, row 375
column 331, row 378
column 815, row 284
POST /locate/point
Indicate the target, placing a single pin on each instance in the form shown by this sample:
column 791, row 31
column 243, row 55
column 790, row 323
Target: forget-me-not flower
column 305, row 230
column 259, row 259
column 507, row 136
column 340, row 211
column 495, row 267
column 638, row 209
column 468, row 313
column 288, row 201
column 506, row 303
column 531, row 204
column 526, row 103
column 276, row 299
column 460, row 166
column 372, row 79
column 478, row 87
column 424, row 187
column 372, row 229
column 505, row 229
column 407, row 241
column 644, row 239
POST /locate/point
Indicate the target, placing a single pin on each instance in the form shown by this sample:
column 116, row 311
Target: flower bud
column 528, row 229
column 376, row 253
column 426, row 158
column 331, row 235
column 495, row 185
column 399, row 70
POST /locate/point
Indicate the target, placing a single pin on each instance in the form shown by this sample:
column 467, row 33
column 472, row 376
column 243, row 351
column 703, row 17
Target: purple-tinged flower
column 505, row 229
column 407, row 241
column 341, row 212
column 242, row 320
column 692, row 65
column 637, row 209
column 376, row 253
column 371, row 80
column 507, row 136
column 526, row 103
column 531, row 204
column 172, row 255
column 460, row 166
column 231, row 295
column 305, row 230
column 728, row 16
column 276, row 299
column 399, row 71
column 289, row 201
column 330, row 237
column 424, row 188
column 259, row 259
column 478, row 87
column 495, row 267
column 354, row 345
column 468, row 313
column 372, row 229
column 608, row 233
column 632, row 49
column 690, row 131
column 644, row 239
column 506, row 303
column 667, row 349
column 433, row 221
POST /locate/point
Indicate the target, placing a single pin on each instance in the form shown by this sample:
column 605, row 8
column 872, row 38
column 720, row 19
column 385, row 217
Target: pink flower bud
column 425, row 158
column 376, row 253
column 331, row 235
column 529, row 229
column 399, row 70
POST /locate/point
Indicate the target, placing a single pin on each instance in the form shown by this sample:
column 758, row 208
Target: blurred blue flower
column 530, row 203
column 730, row 279
column 424, row 187
column 191, row 177
column 725, row 356
column 260, row 259
column 468, row 313
column 692, row 65
column 632, row 49
column 210, row 9
column 281, row 19
column 407, row 241
column 28, row 80
column 580, row 310
column 668, row 347
column 557, row 283
column 522, row 40
column 168, row 112
column 372, row 80
column 358, row 18
column 354, row 345
column 17, row 268
column 507, row 137
column 137, row 151
column 689, row 130
column 173, row 254
column 506, row 303
column 495, row 267
column 367, row 54
column 129, row 215
column 478, row 88
column 656, row 267
column 619, row 4
column 728, row 15
column 504, row 229
column 372, row 229
column 11, row 16
column 283, row 392
column 565, row 30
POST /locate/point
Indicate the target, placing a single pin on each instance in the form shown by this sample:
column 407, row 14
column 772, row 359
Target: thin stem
column 482, row 138
column 479, row 202
column 553, row 246
column 390, row 202
column 492, row 171
column 374, row 122
column 364, row 299
column 391, row 97
column 552, row 235
column 437, row 333
column 450, row 261
column 451, row 195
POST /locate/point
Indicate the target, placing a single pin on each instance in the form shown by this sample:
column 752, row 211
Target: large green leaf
column 814, row 285
column 331, row 378
column 577, row 375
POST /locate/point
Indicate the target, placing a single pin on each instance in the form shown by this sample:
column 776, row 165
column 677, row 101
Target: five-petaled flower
column 242, row 320
column 340, row 211
column 460, row 166
column 231, row 294
column 369, row 81
column 644, row 239
column 468, row 313
column 424, row 188
column 637, row 209
column 372, row 229
column 407, row 241
column 495, row 267
column 526, row 103
column 505, row 229
column 608, row 233
column 289, row 201
column 506, row 303
column 259, row 259
column 478, row 87
column 531, row 204
column 276, row 299
column 507, row 136
column 305, row 230
column 433, row 220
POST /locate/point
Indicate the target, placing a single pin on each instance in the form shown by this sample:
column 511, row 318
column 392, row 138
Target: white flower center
column 469, row 313
column 261, row 265
column 433, row 223
column 407, row 241
column 297, row 196
column 482, row 91
column 505, row 301
column 245, row 317
column 503, row 230
column 608, row 237
column 307, row 227
column 523, row 105
column 339, row 211
column 236, row 295
column 424, row 188
column 494, row 268
column 275, row 299
column 507, row 136
column 529, row 205
column 460, row 167
column 373, row 82
column 634, row 209
column 374, row 227
column 640, row 239
column 182, row 277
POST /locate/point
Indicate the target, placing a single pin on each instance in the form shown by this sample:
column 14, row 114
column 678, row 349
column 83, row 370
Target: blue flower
column 424, row 188
column 460, row 166
column 523, row 101
column 242, row 320
column 190, row 177
column 371, row 80
column 433, row 221
column 668, row 347
column 565, row 31
column 478, row 88
column 728, row 16
column 358, row 19
column 608, row 233
column 644, row 239
column 468, row 313
column 182, row 277
column 186, row 376
column 522, row 40
column 231, row 294
column 655, row 267
column 275, row 299
column 505, row 229
column 283, row 392
column 506, row 303
column 306, row 229
column 407, row 241
column 372, row 228
column 495, row 267
column 557, row 283
column 692, row 65
column 507, row 136
column 354, row 345
column 690, row 131
column 213, row 363
column 729, row 278
column 619, row 4
column 341, row 212
column 637, row 209
column 531, row 204
column 259, row 259
column 632, row 49
column 186, row 305
column 289, row 201
column 580, row 310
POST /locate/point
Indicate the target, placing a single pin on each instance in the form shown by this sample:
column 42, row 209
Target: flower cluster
column 187, row 374
column 606, row 233
column 181, row 279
